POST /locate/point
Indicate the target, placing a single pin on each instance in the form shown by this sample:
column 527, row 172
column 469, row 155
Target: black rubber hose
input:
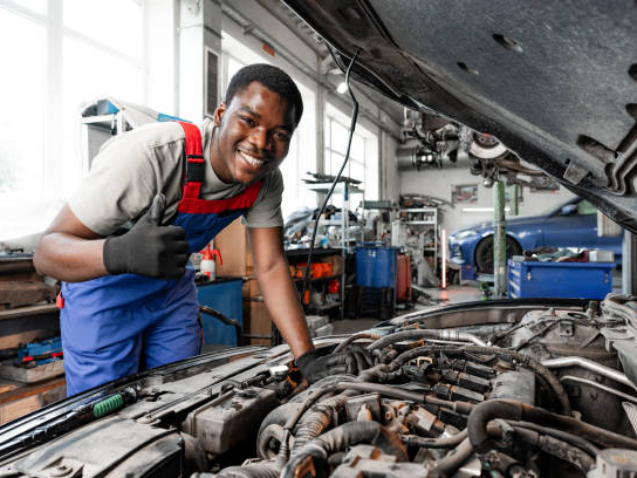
column 342, row 438
column 525, row 360
column 548, row 444
column 456, row 405
column 316, row 421
column 354, row 338
column 225, row 320
column 510, row 410
column 352, row 127
column 574, row 440
column 454, row 459
column 271, row 432
column 279, row 415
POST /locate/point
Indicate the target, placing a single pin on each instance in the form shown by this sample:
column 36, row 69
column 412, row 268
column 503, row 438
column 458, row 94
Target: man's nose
column 260, row 139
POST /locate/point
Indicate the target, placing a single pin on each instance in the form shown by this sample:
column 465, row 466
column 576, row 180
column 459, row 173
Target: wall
column 438, row 183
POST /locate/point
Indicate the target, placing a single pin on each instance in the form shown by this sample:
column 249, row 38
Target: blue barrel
column 376, row 265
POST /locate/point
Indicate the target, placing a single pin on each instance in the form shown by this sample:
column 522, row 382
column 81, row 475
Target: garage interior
column 427, row 212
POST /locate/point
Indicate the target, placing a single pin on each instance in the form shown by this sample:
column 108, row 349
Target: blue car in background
column 573, row 224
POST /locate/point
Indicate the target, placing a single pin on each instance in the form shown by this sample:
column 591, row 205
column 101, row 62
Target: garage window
column 363, row 161
column 65, row 53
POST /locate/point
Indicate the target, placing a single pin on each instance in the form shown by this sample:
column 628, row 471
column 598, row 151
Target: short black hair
column 271, row 77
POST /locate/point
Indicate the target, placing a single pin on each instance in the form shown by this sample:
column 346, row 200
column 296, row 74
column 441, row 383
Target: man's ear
column 218, row 114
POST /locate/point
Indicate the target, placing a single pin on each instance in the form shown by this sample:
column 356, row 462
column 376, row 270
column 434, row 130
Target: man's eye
column 249, row 121
column 282, row 135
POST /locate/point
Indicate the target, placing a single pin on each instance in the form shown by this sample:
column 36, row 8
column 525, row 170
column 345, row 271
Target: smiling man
column 154, row 196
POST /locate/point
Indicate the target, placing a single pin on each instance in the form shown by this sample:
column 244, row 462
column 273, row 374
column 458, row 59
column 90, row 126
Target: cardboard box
column 257, row 321
column 236, row 255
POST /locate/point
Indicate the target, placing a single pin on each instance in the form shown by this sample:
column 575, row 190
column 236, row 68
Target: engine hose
column 316, row 421
column 426, row 334
column 574, row 440
column 322, row 383
column 548, row 444
column 510, row 410
column 444, row 442
column 272, row 432
column 354, row 338
column 454, row 459
column 342, row 438
column 379, row 373
column 254, row 470
column 525, row 360
column 456, row 405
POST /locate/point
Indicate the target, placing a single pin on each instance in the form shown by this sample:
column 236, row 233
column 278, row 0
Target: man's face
column 253, row 134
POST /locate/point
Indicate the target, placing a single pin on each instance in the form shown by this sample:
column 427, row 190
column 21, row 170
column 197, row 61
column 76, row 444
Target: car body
column 572, row 224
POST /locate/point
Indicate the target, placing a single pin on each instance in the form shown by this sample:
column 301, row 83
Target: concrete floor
column 451, row 295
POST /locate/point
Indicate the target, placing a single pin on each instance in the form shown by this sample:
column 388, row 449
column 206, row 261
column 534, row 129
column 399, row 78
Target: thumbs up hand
column 148, row 249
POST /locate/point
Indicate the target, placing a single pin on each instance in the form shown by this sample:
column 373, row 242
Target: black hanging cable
column 306, row 279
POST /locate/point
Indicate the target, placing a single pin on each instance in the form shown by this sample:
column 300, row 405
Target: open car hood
column 556, row 82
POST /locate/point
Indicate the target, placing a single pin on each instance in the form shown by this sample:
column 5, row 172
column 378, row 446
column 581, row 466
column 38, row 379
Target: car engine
column 533, row 388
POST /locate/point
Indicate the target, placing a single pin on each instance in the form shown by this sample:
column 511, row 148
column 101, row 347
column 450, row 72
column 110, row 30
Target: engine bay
column 509, row 390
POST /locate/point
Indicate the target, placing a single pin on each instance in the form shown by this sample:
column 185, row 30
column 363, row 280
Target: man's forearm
column 69, row 258
column 282, row 301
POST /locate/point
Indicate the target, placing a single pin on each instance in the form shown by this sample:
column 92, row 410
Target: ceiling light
column 342, row 87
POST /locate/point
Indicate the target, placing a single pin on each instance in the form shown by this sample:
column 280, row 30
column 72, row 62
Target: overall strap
column 195, row 165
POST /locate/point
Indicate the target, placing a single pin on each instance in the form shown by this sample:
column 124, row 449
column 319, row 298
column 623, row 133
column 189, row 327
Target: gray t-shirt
column 133, row 167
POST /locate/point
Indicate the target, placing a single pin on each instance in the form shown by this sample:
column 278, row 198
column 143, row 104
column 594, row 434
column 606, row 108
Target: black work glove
column 315, row 366
column 148, row 249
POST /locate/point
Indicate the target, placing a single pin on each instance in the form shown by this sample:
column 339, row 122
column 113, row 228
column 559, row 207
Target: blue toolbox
column 572, row 280
column 39, row 353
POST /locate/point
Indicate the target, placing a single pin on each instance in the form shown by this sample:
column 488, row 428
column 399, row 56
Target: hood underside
column 556, row 82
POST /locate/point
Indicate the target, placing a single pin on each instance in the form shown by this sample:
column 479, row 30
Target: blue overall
column 115, row 326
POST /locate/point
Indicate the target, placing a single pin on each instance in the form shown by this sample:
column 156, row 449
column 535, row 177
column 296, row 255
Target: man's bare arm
column 278, row 290
column 70, row 251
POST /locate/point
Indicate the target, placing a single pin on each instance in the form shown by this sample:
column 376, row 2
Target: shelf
column 102, row 121
column 302, row 252
column 323, row 308
column 431, row 210
column 321, row 188
column 318, row 279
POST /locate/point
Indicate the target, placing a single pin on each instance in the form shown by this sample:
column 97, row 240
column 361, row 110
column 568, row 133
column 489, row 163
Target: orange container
column 403, row 278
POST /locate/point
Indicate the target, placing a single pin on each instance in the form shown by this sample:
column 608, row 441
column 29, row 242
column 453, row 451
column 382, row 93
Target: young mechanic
column 154, row 196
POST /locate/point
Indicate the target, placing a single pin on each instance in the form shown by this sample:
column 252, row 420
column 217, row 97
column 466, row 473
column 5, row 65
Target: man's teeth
column 251, row 159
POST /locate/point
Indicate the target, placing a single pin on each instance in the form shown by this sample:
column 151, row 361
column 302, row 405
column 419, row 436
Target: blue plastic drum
column 376, row 265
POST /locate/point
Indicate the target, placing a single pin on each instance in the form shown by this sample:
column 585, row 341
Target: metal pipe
column 608, row 372
column 571, row 378
column 499, row 242
column 411, row 334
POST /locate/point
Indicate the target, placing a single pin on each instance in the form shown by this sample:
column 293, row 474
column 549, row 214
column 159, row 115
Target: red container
column 403, row 278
